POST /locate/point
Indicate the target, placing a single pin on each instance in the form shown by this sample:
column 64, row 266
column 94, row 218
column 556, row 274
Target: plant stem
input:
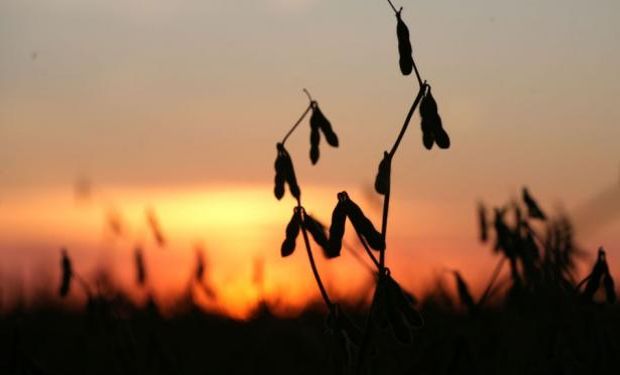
column 417, row 73
column 370, row 254
column 358, row 257
column 315, row 271
column 308, row 94
column 296, row 124
column 367, row 332
column 386, row 208
column 80, row 280
column 386, row 198
column 496, row 272
column 392, row 5
column 408, row 119
column 583, row 282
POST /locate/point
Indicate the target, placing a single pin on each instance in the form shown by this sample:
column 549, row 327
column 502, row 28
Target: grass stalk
column 315, row 271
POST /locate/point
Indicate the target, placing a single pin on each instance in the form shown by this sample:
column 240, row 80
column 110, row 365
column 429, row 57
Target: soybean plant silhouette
column 391, row 306
column 541, row 267
column 535, row 315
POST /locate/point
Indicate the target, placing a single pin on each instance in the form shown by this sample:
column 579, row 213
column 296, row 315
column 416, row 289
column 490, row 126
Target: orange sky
column 178, row 105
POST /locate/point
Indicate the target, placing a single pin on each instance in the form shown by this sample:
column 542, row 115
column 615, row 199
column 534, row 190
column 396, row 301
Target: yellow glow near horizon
column 235, row 225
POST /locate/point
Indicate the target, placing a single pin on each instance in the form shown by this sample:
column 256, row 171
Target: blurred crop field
column 532, row 337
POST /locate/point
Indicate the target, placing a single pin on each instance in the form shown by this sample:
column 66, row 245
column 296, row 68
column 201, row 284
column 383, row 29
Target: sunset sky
column 177, row 105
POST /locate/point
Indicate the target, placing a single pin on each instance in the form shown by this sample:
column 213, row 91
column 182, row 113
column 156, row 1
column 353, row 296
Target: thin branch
column 583, row 282
column 368, row 251
column 386, row 198
column 408, row 118
column 315, row 271
column 296, row 124
column 80, row 280
column 357, row 256
column 417, row 73
column 494, row 276
column 367, row 332
column 308, row 94
column 393, row 7
column 386, row 208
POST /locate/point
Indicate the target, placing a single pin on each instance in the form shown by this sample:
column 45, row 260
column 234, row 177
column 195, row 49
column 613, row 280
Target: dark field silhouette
column 550, row 328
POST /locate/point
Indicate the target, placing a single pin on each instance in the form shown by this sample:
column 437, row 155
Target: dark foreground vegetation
column 532, row 335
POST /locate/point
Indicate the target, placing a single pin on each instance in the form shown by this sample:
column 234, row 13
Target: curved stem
column 384, row 220
column 315, row 271
column 370, row 254
column 386, row 198
column 583, row 282
column 84, row 285
column 308, row 94
column 296, row 124
column 358, row 257
column 414, row 105
column 417, row 73
column 496, row 272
